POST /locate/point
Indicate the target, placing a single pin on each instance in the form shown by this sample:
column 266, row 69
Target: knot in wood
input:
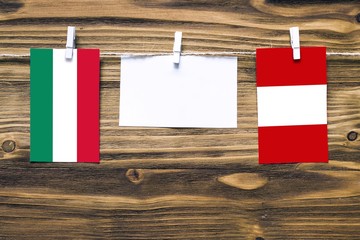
column 358, row 18
column 352, row 136
column 8, row 146
column 259, row 238
column 245, row 181
column 135, row 176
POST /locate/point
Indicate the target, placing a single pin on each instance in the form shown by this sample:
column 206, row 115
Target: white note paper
column 200, row 92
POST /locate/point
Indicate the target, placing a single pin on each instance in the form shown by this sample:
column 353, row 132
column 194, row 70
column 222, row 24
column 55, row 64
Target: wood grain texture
column 165, row 183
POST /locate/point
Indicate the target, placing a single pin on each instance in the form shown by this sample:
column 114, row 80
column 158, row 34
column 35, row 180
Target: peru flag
column 292, row 107
column 64, row 105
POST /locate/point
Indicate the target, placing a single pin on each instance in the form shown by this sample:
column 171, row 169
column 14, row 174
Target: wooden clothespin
column 295, row 42
column 177, row 47
column 70, row 42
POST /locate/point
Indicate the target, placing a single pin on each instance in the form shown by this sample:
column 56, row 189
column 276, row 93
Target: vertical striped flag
column 64, row 106
column 292, row 107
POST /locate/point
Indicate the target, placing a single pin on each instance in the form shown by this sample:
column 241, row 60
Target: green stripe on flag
column 41, row 104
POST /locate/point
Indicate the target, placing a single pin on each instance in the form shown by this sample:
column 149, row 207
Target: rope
column 127, row 54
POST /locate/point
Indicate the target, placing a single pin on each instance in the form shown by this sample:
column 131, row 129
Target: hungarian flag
column 292, row 108
column 64, row 105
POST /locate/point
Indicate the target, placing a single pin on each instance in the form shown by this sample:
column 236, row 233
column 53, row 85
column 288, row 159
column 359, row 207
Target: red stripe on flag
column 293, row 144
column 88, row 105
column 276, row 67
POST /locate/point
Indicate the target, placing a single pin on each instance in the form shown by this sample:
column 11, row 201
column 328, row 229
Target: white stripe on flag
column 64, row 107
column 292, row 105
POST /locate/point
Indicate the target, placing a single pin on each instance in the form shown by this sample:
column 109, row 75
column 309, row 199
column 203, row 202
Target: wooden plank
column 89, row 201
column 180, row 183
column 188, row 147
column 149, row 25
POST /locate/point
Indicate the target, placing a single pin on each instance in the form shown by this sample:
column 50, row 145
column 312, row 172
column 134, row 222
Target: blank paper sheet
column 200, row 92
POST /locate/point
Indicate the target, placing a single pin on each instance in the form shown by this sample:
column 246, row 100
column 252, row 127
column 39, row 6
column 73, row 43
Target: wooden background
column 180, row 183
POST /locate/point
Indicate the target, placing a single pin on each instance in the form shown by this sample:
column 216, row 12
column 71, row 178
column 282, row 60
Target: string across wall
column 240, row 53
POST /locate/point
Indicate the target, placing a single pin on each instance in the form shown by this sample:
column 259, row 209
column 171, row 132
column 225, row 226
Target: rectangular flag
column 199, row 92
column 64, row 105
column 292, row 107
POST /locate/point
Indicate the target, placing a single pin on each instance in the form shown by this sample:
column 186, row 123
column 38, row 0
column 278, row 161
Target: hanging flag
column 292, row 107
column 64, row 105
